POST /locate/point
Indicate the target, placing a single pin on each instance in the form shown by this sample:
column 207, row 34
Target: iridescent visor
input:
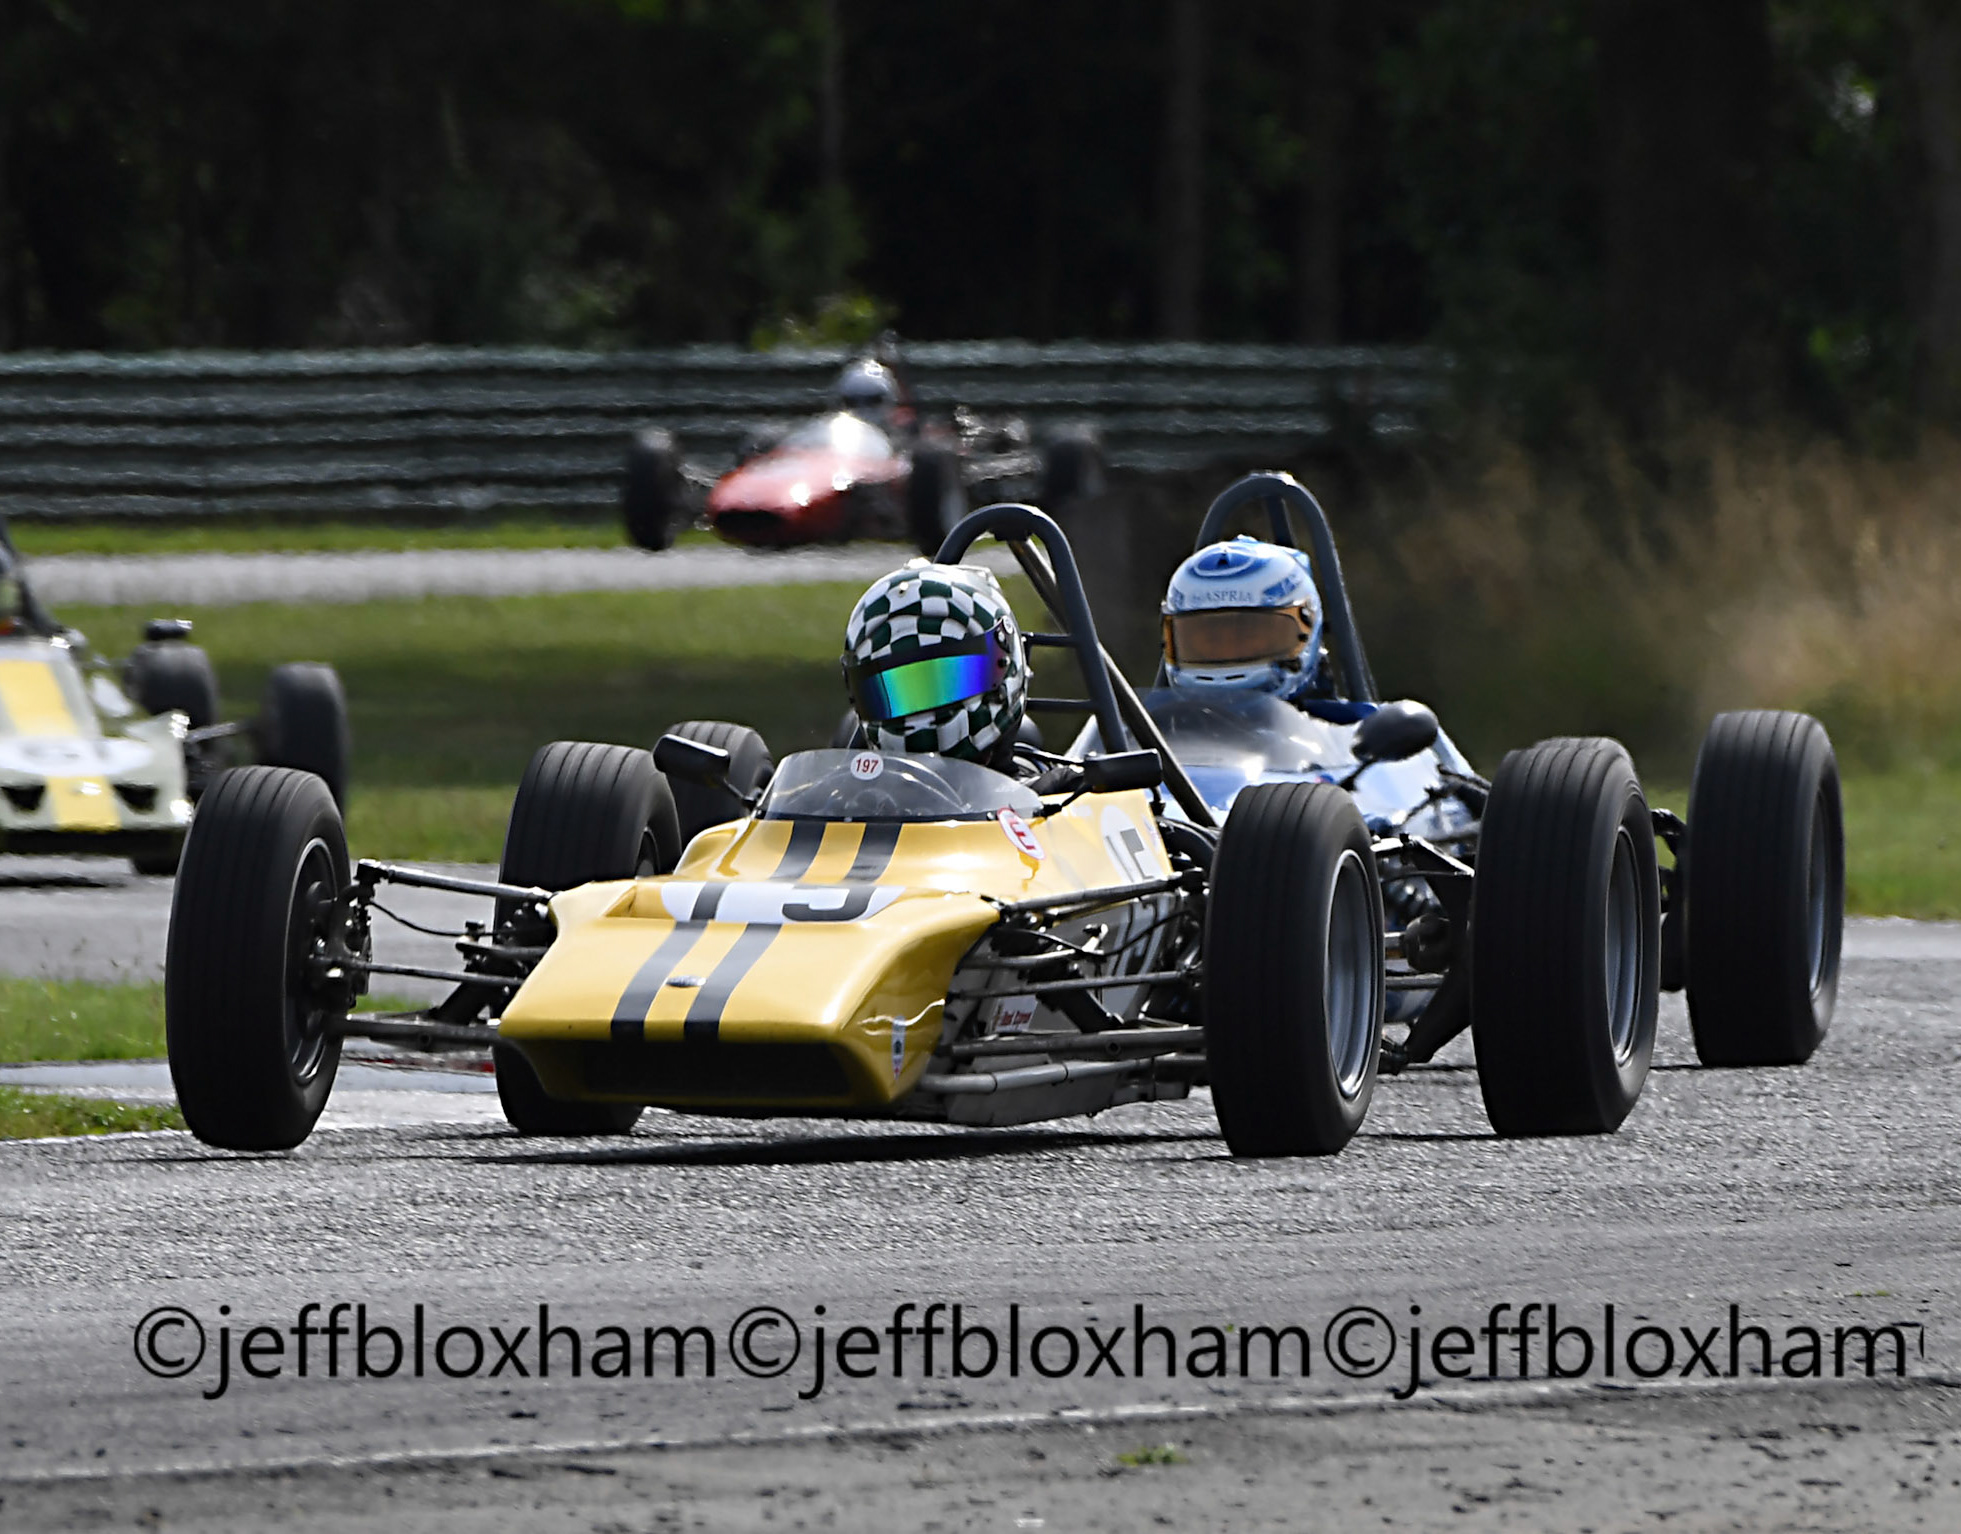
column 930, row 682
column 1227, row 636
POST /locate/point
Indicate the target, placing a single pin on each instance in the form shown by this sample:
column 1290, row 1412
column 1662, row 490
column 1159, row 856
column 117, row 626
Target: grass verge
column 459, row 691
column 451, row 696
column 1902, row 839
column 37, row 1115
column 79, row 1020
column 1903, row 842
column 92, row 1020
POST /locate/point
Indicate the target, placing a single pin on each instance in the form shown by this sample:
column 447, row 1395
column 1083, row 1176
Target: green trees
column 1757, row 202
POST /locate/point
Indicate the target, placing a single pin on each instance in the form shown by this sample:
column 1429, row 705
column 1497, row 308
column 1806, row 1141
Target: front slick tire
column 1565, row 940
column 1765, row 889
column 1293, row 971
column 253, row 1048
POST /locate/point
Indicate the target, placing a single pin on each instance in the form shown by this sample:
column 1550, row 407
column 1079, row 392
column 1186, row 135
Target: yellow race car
column 871, row 934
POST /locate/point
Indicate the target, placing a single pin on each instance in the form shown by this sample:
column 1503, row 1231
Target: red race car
column 869, row 468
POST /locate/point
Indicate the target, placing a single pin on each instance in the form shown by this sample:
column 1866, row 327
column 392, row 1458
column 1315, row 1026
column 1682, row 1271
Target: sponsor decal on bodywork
column 1013, row 1014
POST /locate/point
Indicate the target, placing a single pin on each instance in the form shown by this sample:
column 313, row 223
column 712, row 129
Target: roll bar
column 1277, row 492
column 1059, row 584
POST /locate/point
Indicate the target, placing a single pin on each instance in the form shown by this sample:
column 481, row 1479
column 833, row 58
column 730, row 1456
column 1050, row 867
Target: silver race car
column 1531, row 908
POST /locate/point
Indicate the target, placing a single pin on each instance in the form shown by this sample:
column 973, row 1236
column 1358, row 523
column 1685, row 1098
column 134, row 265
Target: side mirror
column 1124, row 769
column 159, row 629
column 692, row 762
column 1395, row 732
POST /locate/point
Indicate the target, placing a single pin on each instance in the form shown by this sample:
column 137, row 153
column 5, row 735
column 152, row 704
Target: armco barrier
column 468, row 429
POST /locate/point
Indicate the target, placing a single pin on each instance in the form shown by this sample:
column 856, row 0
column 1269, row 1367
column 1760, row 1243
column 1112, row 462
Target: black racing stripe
column 798, row 854
column 705, row 1014
column 874, row 852
column 704, row 1020
column 630, row 1016
column 806, row 837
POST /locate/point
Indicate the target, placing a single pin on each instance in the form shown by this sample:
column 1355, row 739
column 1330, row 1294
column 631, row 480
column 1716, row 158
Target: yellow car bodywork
column 82, row 769
column 798, row 965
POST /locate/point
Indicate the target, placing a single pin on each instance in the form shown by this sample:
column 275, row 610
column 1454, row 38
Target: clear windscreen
column 876, row 785
column 1254, row 731
column 841, row 433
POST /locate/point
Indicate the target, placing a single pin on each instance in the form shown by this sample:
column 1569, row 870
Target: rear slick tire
column 251, row 1035
column 1565, row 941
column 1293, row 971
column 303, row 724
column 529, row 1111
column 1765, row 889
column 167, row 674
column 583, row 812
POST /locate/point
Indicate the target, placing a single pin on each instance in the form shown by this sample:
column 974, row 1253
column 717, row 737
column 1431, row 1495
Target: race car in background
column 96, row 759
column 872, row 466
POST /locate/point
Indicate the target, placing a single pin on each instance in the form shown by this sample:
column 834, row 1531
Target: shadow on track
column 837, row 1150
column 32, row 879
column 500, row 1147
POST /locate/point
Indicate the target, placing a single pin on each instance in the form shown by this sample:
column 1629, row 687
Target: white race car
column 96, row 760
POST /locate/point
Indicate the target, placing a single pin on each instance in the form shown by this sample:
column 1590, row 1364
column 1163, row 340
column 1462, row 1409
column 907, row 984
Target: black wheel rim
column 1353, row 976
column 1623, row 949
column 309, row 917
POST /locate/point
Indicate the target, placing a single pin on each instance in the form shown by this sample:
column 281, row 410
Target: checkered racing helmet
column 934, row 663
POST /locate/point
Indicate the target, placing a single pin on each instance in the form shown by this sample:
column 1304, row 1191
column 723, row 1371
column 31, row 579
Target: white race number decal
column 773, row 903
column 1019, row 832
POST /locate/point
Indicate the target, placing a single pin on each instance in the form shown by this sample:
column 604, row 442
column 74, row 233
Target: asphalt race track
column 1822, row 1197
column 92, row 919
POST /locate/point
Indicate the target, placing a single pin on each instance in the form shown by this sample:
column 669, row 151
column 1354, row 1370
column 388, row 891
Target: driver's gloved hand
column 1058, row 780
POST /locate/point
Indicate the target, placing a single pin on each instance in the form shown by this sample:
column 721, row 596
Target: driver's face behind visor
column 1235, row 636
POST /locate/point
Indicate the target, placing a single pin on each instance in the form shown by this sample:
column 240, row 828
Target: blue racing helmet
column 1243, row 615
